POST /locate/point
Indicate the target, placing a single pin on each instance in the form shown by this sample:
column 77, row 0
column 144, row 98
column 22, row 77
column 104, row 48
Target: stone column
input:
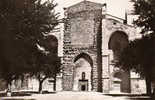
column 105, row 73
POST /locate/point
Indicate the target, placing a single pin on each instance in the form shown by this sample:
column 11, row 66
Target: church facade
column 89, row 42
column 92, row 42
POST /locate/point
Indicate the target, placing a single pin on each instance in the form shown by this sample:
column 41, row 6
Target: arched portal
column 118, row 41
column 82, row 72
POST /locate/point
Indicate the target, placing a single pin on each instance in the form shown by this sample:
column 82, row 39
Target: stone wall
column 110, row 26
column 80, row 36
column 84, row 28
column 68, row 65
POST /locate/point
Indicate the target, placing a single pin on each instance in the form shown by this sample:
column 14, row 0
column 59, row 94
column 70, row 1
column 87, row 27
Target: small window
column 83, row 75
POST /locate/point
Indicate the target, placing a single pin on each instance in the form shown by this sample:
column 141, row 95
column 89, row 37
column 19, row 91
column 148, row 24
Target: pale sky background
column 114, row 7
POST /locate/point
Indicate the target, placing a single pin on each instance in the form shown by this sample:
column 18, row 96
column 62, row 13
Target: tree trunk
column 54, row 85
column 40, row 87
column 148, row 86
column 9, row 89
column 153, row 94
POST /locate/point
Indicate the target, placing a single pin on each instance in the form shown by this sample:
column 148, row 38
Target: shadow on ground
column 131, row 96
column 24, row 93
column 19, row 99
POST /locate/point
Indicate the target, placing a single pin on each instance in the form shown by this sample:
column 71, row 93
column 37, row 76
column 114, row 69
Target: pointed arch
column 85, row 56
column 117, row 42
column 83, row 64
column 116, row 38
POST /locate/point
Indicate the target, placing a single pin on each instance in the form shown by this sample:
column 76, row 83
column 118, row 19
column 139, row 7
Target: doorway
column 83, row 85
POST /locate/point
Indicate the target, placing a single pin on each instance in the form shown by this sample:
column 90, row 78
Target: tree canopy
column 24, row 25
column 45, row 63
column 139, row 56
column 145, row 9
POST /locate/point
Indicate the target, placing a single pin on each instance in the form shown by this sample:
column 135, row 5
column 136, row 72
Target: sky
column 114, row 7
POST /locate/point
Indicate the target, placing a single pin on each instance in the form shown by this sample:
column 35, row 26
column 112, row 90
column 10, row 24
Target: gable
column 84, row 5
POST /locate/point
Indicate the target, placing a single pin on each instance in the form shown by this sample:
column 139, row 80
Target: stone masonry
column 80, row 37
column 89, row 42
column 87, row 33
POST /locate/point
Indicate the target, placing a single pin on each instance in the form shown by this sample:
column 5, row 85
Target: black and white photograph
column 77, row 49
